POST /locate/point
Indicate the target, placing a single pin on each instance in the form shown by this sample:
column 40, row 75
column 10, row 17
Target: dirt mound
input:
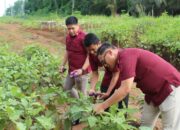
column 56, row 35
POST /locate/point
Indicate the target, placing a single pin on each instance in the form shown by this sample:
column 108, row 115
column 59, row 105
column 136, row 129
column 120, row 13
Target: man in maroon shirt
column 157, row 79
column 77, row 58
column 111, row 81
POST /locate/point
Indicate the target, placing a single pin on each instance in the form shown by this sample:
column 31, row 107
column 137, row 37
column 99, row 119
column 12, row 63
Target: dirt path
column 18, row 37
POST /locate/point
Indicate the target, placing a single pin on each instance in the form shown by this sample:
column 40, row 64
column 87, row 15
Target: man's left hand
column 98, row 108
column 104, row 95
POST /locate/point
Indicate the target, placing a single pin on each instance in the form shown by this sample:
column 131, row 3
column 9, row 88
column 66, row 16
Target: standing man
column 111, row 81
column 77, row 58
column 157, row 79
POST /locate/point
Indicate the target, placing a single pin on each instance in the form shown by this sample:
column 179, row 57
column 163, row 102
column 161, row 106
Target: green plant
column 30, row 89
column 112, row 120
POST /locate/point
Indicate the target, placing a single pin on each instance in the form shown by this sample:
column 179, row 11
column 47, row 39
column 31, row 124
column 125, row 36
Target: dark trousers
column 120, row 104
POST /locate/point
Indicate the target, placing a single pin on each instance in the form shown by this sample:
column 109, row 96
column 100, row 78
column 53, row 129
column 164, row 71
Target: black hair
column 90, row 39
column 71, row 20
column 106, row 45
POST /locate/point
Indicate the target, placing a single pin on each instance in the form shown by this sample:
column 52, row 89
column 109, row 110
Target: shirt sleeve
column 93, row 63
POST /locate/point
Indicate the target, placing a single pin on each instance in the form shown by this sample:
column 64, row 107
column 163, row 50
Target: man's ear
column 110, row 52
column 100, row 57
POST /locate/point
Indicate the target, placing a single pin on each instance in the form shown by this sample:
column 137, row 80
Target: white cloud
column 5, row 4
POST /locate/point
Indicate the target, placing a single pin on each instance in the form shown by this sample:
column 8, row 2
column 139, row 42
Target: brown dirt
column 56, row 35
column 19, row 37
column 79, row 127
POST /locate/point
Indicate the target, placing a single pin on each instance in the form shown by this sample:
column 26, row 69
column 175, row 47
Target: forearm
column 94, row 80
column 86, row 63
column 117, row 96
column 120, row 93
column 65, row 59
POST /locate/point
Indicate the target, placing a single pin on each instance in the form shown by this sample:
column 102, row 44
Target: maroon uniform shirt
column 76, row 51
column 152, row 73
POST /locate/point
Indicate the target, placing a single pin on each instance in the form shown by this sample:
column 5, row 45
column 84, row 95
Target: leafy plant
column 82, row 109
column 30, row 89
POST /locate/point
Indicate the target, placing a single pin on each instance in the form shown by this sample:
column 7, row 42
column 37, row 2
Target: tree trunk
column 113, row 8
column 153, row 11
column 56, row 5
column 73, row 4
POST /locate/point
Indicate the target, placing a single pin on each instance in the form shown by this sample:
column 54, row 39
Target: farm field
column 31, row 94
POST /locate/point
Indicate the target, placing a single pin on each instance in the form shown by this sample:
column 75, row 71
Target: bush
column 160, row 35
column 30, row 88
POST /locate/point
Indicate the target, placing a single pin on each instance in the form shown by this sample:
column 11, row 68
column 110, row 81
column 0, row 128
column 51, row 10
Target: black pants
column 120, row 104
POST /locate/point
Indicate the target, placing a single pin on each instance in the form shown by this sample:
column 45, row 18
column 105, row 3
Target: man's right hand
column 91, row 92
column 62, row 69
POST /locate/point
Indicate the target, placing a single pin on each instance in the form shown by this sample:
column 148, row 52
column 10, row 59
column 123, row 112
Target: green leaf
column 3, row 124
column 67, row 124
column 46, row 122
column 145, row 128
column 24, row 102
column 28, row 122
column 16, row 92
column 76, row 109
column 92, row 121
column 13, row 113
column 34, row 111
column 20, row 126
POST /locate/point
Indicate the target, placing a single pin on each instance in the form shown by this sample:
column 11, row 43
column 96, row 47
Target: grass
column 125, row 31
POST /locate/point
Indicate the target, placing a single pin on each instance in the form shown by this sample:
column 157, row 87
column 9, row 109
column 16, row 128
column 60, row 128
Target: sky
column 5, row 4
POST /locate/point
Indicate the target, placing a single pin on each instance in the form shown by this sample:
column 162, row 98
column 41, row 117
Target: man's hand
column 77, row 72
column 104, row 95
column 91, row 92
column 98, row 108
column 62, row 69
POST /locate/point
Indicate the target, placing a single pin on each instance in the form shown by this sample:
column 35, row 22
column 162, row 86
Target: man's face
column 108, row 59
column 92, row 49
column 72, row 29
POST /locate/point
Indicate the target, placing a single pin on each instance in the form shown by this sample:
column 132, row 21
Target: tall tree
column 104, row 7
column 113, row 7
column 56, row 5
